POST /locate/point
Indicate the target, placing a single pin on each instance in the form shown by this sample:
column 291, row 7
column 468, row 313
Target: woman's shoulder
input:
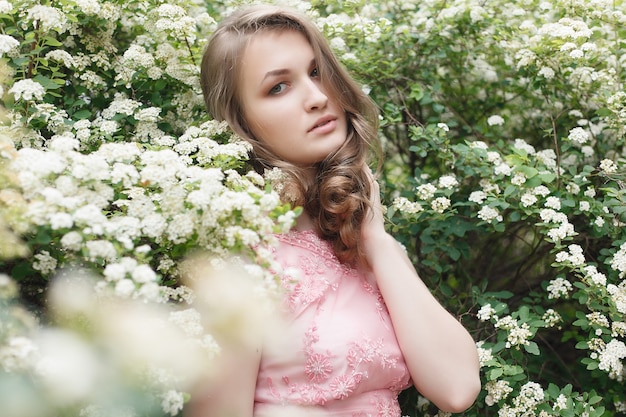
column 307, row 240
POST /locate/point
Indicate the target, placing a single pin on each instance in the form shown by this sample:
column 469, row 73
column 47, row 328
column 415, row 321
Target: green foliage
column 503, row 127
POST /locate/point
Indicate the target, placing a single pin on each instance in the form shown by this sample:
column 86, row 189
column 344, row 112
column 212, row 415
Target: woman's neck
column 304, row 222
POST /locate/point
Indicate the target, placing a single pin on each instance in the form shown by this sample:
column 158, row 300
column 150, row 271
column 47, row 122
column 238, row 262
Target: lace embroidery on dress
column 345, row 353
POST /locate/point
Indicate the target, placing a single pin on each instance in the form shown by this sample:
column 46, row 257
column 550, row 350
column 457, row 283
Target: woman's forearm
column 439, row 352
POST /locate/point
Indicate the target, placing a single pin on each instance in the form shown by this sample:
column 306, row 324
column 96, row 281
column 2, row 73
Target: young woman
column 362, row 326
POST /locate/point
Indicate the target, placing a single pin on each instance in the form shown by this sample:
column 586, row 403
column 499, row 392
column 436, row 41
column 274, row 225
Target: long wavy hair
column 338, row 196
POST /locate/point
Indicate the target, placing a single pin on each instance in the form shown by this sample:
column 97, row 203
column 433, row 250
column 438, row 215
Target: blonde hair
column 338, row 197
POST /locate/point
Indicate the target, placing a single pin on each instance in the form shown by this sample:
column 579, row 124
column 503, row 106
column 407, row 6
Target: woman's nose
column 315, row 97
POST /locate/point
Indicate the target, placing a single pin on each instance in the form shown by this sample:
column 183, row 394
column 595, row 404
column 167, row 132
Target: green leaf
column 50, row 41
column 494, row 374
column 532, row 348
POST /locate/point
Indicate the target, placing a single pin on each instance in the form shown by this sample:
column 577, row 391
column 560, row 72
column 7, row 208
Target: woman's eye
column 278, row 88
column 315, row 72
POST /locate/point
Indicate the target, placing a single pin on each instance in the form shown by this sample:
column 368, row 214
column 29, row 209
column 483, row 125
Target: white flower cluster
column 404, row 205
column 579, row 136
column 564, row 229
column 611, row 359
column 489, row 214
column 559, row 287
column 607, row 166
column 495, row 120
column 551, row 317
column 426, row 191
column 530, row 396
column 497, row 391
column 484, row 355
column 618, row 294
column 440, row 204
column 486, row 312
column 574, row 256
column 596, row 277
column 8, row 44
column 27, row 90
column 518, row 334
column 566, row 28
column 618, row 262
column 477, row 197
column 47, row 18
column 163, row 196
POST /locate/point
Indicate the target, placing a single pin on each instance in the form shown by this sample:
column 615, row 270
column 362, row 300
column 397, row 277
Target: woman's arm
column 439, row 352
column 229, row 391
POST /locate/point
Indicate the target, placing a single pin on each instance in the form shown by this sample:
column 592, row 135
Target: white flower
column 607, row 166
column 448, row 181
column 72, row 241
column 7, row 44
column 574, row 256
column 488, row 214
column 572, row 188
column 68, row 367
column 518, row 334
column 547, row 157
column 338, row 44
column 502, row 169
column 611, row 359
column 125, row 288
column 493, row 156
column 587, row 151
column 579, row 135
column 484, row 355
column 518, row 178
column 5, row 7
column 49, row 18
column 576, row 53
column 477, row 197
column 523, row 145
column 497, row 391
column 553, row 203
column 89, row 7
column 44, row 262
column 17, row 353
column 143, row 274
column 495, row 120
column 598, row 278
column 478, row 144
column 101, row 249
column 426, row 191
column 172, row 402
column 559, row 287
column 189, row 320
column 440, row 204
column 547, row 73
column 528, row 199
column 618, row 294
column 404, row 205
column 618, row 262
column 551, row 318
column 61, row 56
column 28, row 90
column 443, row 127
column 486, row 312
column 530, row 395
column 541, row 190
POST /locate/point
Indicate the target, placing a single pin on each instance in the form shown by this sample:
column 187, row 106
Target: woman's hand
column 373, row 231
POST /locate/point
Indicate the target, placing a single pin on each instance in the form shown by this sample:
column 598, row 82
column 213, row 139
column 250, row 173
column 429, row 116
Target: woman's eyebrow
column 275, row 73
column 284, row 71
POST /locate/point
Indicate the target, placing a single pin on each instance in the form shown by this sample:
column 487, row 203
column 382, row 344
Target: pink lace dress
column 339, row 355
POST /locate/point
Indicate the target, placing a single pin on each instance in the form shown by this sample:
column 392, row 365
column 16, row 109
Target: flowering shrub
column 503, row 124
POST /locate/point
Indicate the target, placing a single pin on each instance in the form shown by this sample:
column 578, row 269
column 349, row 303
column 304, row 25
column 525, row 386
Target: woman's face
column 283, row 100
